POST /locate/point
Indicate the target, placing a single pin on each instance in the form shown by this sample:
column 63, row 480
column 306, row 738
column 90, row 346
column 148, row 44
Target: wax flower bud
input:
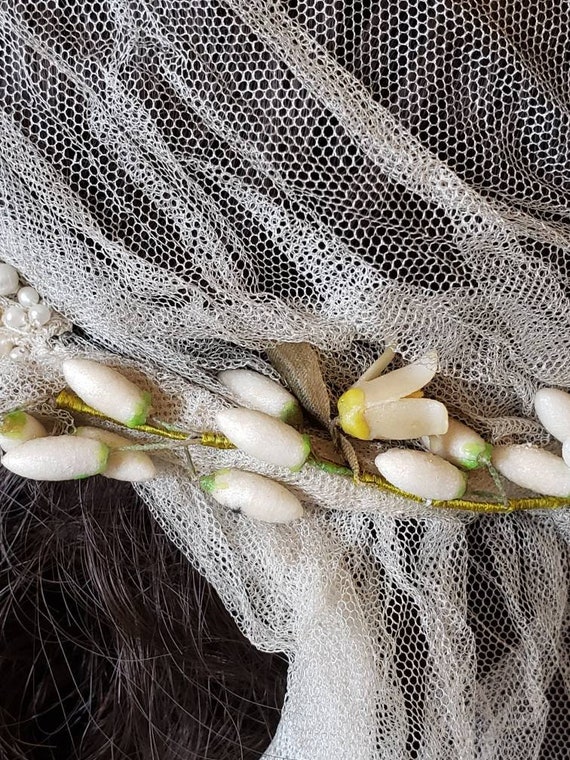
column 256, row 391
column 552, row 408
column 460, row 445
column 18, row 427
column 422, row 474
column 253, row 495
column 264, row 437
column 533, row 468
column 132, row 466
column 378, row 408
column 108, row 391
column 63, row 457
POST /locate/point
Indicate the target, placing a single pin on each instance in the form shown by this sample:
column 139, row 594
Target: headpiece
column 296, row 190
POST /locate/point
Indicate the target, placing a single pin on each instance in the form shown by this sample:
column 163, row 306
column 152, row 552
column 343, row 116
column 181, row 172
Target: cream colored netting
column 188, row 181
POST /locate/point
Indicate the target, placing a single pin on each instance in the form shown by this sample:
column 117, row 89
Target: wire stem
column 179, row 439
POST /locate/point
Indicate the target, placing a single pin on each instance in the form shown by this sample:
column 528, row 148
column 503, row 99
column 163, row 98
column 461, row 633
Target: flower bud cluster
column 373, row 408
column 261, row 431
column 391, row 406
column 438, row 473
column 535, row 468
column 32, row 453
column 379, row 406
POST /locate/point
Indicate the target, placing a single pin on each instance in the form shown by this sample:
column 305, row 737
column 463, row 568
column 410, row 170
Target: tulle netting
column 189, row 183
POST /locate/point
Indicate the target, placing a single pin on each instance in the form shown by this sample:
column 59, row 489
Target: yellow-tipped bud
column 386, row 407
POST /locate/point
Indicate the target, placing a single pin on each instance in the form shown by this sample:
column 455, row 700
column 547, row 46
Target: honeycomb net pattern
column 188, row 182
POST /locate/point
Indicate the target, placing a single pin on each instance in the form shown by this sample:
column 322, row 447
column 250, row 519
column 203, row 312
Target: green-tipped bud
column 108, row 391
column 253, row 495
column 422, row 474
column 63, row 457
column 17, row 428
column 256, row 391
column 264, row 437
column 131, row 466
column 460, row 445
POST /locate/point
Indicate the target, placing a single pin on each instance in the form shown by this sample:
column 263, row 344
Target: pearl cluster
column 23, row 313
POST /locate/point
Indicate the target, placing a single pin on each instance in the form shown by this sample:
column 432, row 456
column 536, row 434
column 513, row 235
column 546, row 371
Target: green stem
column 171, row 446
column 166, row 426
column 181, row 440
column 497, row 480
column 330, row 467
column 190, row 465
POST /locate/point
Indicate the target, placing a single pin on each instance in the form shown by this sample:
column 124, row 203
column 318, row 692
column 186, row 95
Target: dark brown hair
column 111, row 645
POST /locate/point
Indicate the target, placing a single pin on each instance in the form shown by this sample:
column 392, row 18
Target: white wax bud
column 132, row 466
column 422, row 474
column 533, row 468
column 460, row 445
column 552, row 408
column 63, row 457
column 17, row 427
column 108, row 391
column 9, row 280
column 253, row 495
column 264, row 437
column 256, row 391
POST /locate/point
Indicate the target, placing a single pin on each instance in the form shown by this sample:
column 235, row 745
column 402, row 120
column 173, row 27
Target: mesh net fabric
column 187, row 182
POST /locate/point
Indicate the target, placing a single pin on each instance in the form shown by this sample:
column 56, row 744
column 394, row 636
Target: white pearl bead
column 40, row 314
column 28, row 296
column 14, row 317
column 5, row 346
column 9, row 280
column 18, row 353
